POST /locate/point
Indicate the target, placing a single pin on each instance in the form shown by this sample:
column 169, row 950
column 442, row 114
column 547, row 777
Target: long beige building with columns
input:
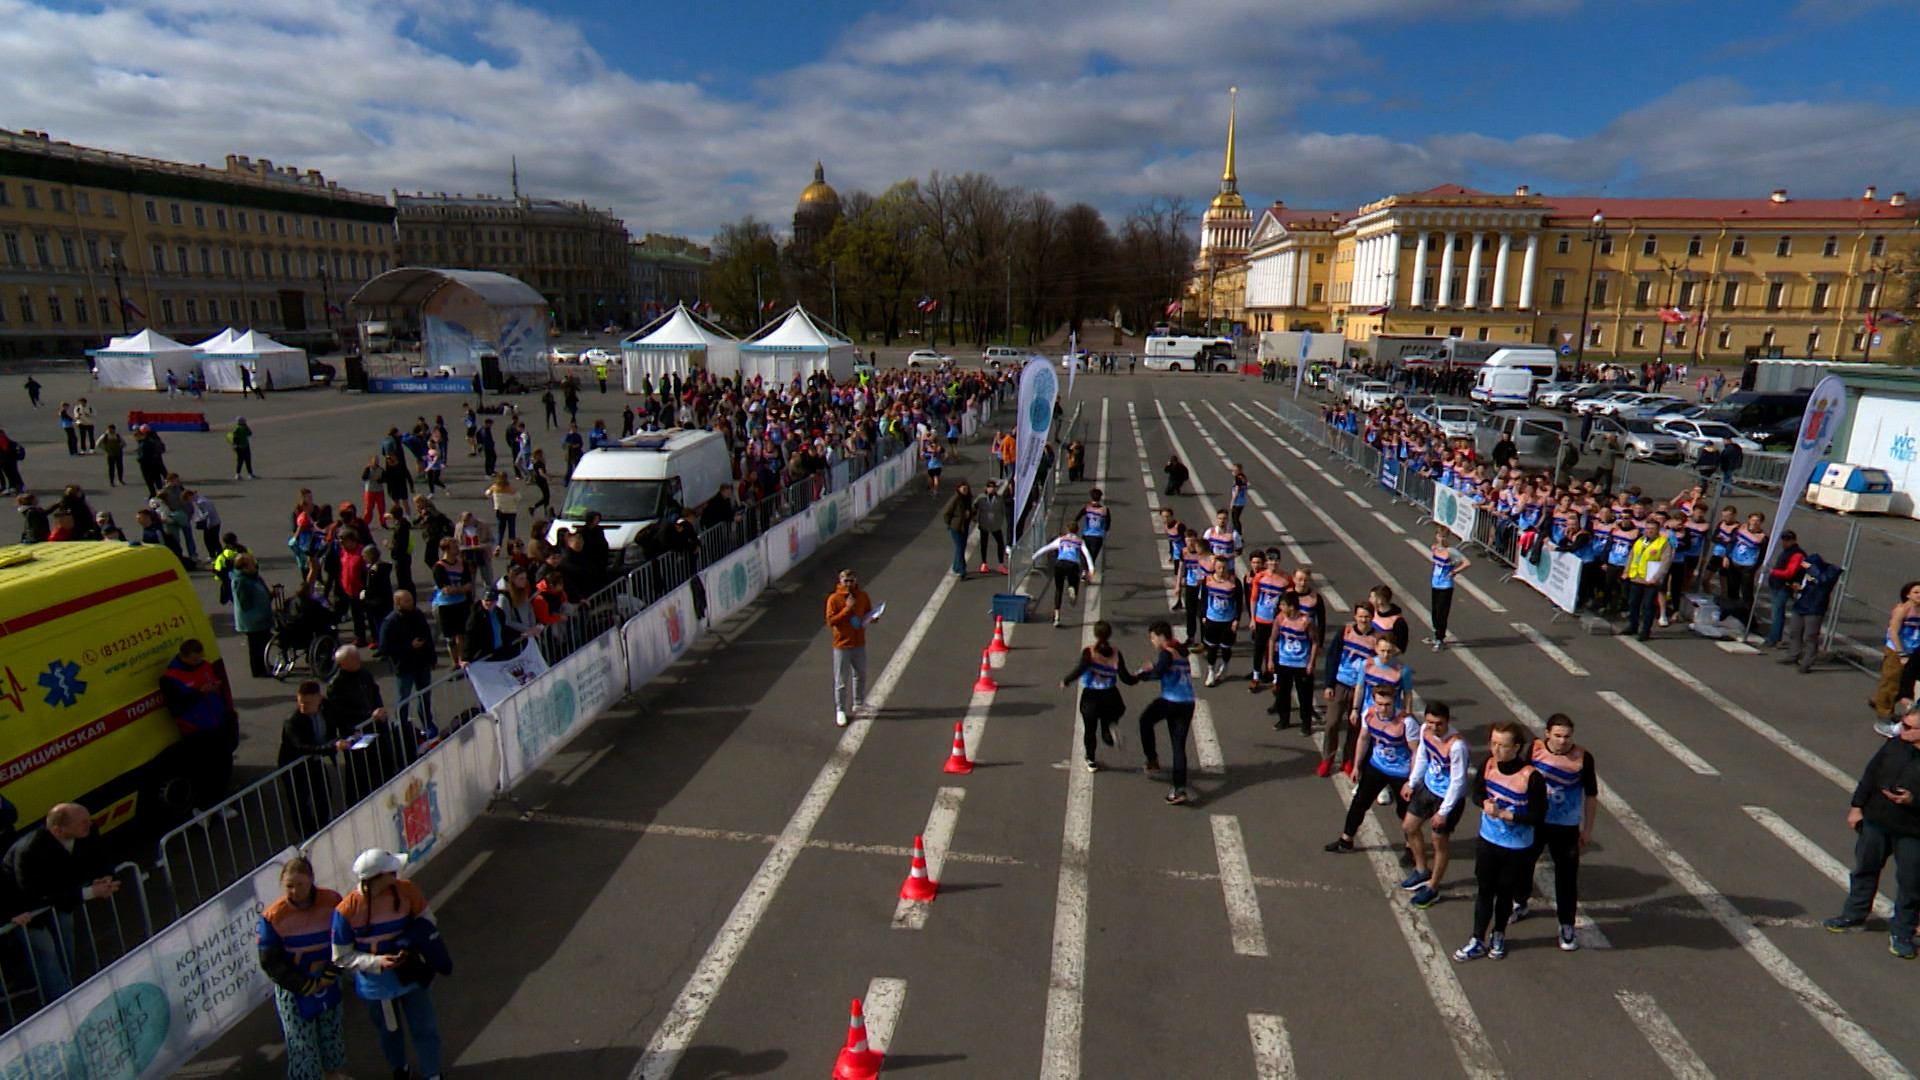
column 1735, row 276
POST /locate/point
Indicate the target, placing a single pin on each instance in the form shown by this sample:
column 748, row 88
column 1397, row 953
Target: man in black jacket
column 406, row 640
column 1887, row 823
column 353, row 707
column 308, row 740
column 61, row 867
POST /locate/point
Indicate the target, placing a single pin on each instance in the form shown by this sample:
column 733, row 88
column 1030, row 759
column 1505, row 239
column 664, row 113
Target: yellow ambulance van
column 86, row 629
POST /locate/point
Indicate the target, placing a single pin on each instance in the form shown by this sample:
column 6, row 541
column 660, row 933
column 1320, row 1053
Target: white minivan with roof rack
column 642, row 481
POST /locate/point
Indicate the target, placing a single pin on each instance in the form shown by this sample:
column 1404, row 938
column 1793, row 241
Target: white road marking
column 1816, row 856
column 973, row 727
column 1206, row 744
column 1259, row 500
column 1391, row 524
column 1658, row 734
column 1558, row 654
column 1826, row 1012
column 1665, row 1038
column 1758, row 726
column 1738, row 648
column 1272, row 1049
column 675, row 1034
column 938, row 839
column 1066, row 981
column 586, row 766
column 1357, row 499
column 1481, row 595
column 886, row 999
column 1585, row 930
column 736, row 836
column 1236, row 885
column 456, row 881
column 1470, row 1043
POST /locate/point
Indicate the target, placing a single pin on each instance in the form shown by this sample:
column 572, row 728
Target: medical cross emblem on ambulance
column 62, row 683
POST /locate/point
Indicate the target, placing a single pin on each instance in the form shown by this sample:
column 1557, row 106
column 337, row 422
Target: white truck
column 1189, row 353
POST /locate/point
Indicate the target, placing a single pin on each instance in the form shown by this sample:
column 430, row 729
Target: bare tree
column 745, row 269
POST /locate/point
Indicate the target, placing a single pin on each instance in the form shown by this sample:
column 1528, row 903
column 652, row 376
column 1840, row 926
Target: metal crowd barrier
column 103, row 931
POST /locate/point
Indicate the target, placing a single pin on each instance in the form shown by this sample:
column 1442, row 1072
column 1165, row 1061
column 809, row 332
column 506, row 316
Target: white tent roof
column 797, row 330
column 251, row 343
column 146, row 341
column 217, row 341
column 678, row 329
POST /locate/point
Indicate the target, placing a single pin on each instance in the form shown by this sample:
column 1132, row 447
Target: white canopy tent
column 274, row 366
column 224, row 337
column 797, row 345
column 679, row 342
column 141, row 362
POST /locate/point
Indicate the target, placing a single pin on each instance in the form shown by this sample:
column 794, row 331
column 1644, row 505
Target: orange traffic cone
column 918, row 885
column 856, row 1061
column 957, row 760
column 985, row 684
column 997, row 652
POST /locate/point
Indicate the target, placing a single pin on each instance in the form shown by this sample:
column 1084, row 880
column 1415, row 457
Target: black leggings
column 1099, row 710
column 1179, row 717
column 1262, row 649
column 1740, row 588
column 1190, row 598
column 1562, row 842
column 1290, row 683
column 1442, row 611
column 1501, row 874
column 1372, row 780
column 1219, row 638
column 1094, row 544
column 1066, row 576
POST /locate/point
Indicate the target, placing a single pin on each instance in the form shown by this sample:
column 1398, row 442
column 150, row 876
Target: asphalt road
column 698, row 886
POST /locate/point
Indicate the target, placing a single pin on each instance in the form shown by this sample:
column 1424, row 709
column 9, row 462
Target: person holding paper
column 849, row 613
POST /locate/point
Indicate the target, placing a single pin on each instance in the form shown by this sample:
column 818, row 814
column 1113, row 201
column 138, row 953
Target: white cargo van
column 1502, row 386
column 641, row 480
column 1542, row 361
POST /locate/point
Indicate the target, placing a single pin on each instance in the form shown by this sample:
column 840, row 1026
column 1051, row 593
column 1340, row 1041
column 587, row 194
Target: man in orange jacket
column 849, row 613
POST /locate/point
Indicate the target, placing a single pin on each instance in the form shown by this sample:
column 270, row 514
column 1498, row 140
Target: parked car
column 920, row 358
column 1655, row 407
column 600, row 356
column 1639, row 439
column 1455, row 420
column 1696, row 434
column 1371, row 395
column 1609, row 404
column 564, row 354
column 1571, row 400
column 1554, row 395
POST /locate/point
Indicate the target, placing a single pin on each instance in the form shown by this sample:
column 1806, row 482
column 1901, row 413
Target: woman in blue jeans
column 959, row 519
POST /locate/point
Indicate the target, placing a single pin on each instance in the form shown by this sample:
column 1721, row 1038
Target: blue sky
column 681, row 117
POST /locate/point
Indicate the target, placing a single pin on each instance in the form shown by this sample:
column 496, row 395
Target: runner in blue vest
column 1573, row 794
column 1069, row 555
column 1238, row 498
column 1174, row 705
column 1294, row 651
column 1446, row 564
column 1094, row 519
column 1101, row 670
column 1193, row 565
column 1512, row 795
column 1343, row 681
column 1436, row 796
column 1386, row 760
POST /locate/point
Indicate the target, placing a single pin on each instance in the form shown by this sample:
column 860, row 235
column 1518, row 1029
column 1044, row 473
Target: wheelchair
column 304, row 637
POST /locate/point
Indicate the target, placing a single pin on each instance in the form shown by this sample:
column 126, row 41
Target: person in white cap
column 384, row 934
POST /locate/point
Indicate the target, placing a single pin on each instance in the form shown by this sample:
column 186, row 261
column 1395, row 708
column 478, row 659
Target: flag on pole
column 927, row 304
column 770, row 305
column 1381, row 310
column 130, row 308
column 335, row 309
column 1672, row 315
column 1173, row 308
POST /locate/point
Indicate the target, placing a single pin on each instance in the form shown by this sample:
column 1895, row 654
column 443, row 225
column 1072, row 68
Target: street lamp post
column 117, row 266
column 1596, row 233
column 1878, row 270
column 326, row 304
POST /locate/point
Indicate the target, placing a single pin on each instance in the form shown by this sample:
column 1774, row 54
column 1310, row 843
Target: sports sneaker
column 840, row 717
column 1093, row 766
column 1439, row 645
column 1426, row 897
column 1383, row 798
column 1840, row 924
column 1520, row 911
column 1900, row 947
column 1325, row 768
column 1413, row 881
column 1349, row 768
column 1496, row 946
column 983, row 568
column 1568, row 943
column 1472, row 950
column 1665, row 621
column 1339, row 847
column 1177, row 797
column 1056, row 618
column 1001, row 569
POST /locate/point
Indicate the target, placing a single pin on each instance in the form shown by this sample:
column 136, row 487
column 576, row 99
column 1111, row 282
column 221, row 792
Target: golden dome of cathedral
column 820, row 193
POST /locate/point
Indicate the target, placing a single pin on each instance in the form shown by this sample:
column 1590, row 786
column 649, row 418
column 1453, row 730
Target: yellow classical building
column 1706, row 279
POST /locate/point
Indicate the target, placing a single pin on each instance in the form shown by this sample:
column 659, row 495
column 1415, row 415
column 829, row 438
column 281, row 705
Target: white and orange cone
column 997, row 652
column 918, row 885
column 985, row 684
column 857, row 1061
column 957, row 761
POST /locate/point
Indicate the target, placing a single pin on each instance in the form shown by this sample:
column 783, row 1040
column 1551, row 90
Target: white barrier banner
column 419, row 812
column 733, row 582
column 1454, row 511
column 151, row 1011
column 536, row 722
column 659, row 635
column 1555, row 575
column 788, row 543
column 863, row 500
column 830, row 516
column 494, row 681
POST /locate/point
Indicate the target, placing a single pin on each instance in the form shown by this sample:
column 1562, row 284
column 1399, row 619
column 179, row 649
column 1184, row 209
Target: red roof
column 1445, row 191
column 1290, row 216
column 1581, row 209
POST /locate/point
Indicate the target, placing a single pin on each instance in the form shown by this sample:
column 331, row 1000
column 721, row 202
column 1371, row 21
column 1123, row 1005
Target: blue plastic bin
column 1010, row 606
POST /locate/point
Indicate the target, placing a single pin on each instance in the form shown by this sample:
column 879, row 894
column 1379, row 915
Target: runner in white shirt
column 1069, row 554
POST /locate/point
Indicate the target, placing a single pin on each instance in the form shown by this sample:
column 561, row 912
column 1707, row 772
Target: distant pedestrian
column 600, row 376
column 67, row 429
column 83, row 420
column 547, row 406
column 849, row 613
column 114, row 447
column 489, row 451
column 1177, row 475
column 33, row 392
column 11, row 455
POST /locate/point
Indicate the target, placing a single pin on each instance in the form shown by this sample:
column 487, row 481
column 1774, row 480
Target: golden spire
column 1233, row 97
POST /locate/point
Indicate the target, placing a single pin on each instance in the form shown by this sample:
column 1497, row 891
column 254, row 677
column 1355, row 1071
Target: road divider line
column 1658, row 734
column 1206, row 742
column 1816, row 856
column 938, row 839
column 886, row 999
column 1480, row 594
column 1391, row 524
column 1753, row 723
column 1585, row 930
column 1663, row 1036
column 587, row 763
column 1066, row 980
column 1557, row 654
column 1236, row 886
column 1272, row 1049
column 456, row 881
column 973, row 726
column 689, row 1010
column 1470, row 1042
column 1826, row 1012
column 1356, row 498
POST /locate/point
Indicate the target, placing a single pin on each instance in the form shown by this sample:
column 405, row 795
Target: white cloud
column 1107, row 102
